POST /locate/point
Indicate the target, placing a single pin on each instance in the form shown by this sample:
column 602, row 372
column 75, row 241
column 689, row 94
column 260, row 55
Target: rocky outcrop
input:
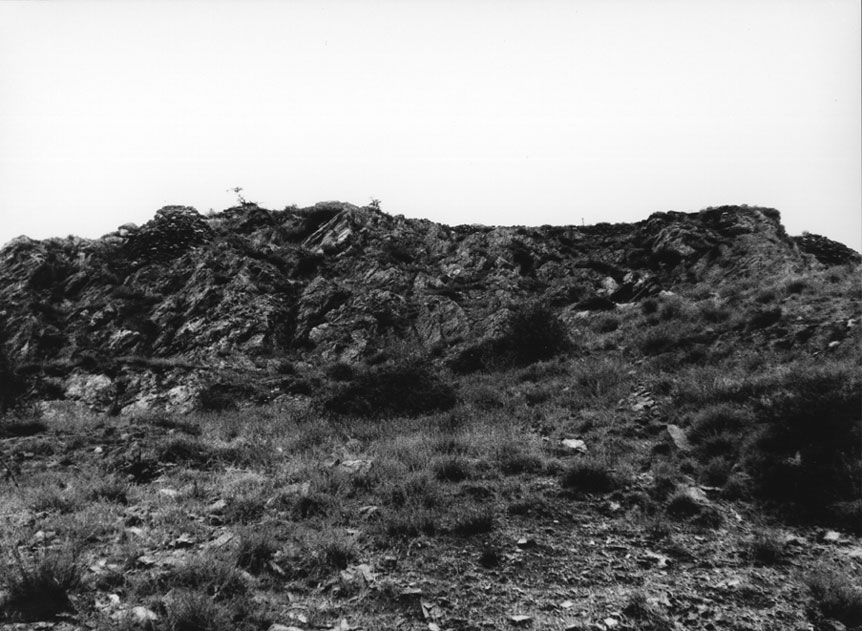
column 154, row 315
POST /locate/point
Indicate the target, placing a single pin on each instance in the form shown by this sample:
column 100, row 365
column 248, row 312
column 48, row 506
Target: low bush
column 409, row 524
column 837, row 596
column 590, row 476
column 720, row 418
column 39, row 589
column 474, row 522
column 452, row 468
column 189, row 610
column 532, row 333
column 515, row 459
column 255, row 550
column 809, row 450
column 659, row 339
column 210, row 575
column 404, row 389
column 16, row 427
column 110, row 489
column 766, row 548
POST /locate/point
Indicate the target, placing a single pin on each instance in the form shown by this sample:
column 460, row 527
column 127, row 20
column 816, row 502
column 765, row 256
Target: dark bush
column 13, row 427
column 658, row 341
column 809, row 451
column 607, row 325
column 836, row 595
column 173, row 231
column 39, row 589
column 11, row 384
column 405, row 389
column 649, row 306
column 340, row 371
column 474, row 522
column 764, row 318
column 720, row 418
column 589, row 476
column 218, row 397
column 597, row 303
column 532, row 333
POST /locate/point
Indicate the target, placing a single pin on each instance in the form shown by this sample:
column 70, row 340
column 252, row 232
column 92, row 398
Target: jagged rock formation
column 165, row 313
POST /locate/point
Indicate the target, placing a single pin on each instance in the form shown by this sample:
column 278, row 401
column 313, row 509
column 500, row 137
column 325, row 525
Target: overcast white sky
column 504, row 112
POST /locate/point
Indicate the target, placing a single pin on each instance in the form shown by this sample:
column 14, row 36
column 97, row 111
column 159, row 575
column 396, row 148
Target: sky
column 508, row 112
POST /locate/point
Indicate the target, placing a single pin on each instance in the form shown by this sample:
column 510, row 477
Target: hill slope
column 152, row 316
column 331, row 418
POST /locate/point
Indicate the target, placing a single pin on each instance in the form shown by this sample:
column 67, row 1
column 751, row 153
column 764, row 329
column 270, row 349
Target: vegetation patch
column 405, row 389
column 590, row 476
column 532, row 333
column 39, row 588
column 837, row 595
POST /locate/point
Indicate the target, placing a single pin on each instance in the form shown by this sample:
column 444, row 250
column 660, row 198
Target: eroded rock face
column 152, row 316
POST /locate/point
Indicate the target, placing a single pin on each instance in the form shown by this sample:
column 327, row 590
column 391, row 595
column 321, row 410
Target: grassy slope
column 465, row 518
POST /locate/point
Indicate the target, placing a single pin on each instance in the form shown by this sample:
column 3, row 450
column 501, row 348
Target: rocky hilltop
column 246, row 303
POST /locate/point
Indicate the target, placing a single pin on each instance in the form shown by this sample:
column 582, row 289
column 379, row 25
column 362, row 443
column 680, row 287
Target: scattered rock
column 679, row 438
column 575, row 444
column 521, row 620
column 142, row 615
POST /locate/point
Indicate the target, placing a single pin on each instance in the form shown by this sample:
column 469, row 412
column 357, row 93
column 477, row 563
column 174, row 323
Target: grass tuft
column 39, row 589
column 590, row 476
column 836, row 595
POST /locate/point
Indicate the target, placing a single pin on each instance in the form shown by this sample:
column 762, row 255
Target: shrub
column 218, row 397
column 336, row 554
column 207, row 575
column 796, row 286
column 649, row 306
column 409, row 524
column 15, row 427
column 514, row 459
column 766, row 548
column 110, row 489
column 39, row 589
column 590, row 476
column 12, row 385
column 452, row 469
column 404, row 389
column 720, row 418
column 50, row 498
column 765, row 317
column 716, row 471
column 188, row 610
column 173, row 423
column 255, row 551
column 809, row 452
column 340, row 371
column 173, row 231
column 836, row 596
column 474, row 522
column 135, row 464
column 682, row 506
column 606, row 324
column 714, row 313
column 659, row 340
column 244, row 509
column 186, row 452
column 532, row 333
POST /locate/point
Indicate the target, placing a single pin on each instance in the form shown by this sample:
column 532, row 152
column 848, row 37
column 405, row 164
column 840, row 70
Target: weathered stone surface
column 150, row 317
